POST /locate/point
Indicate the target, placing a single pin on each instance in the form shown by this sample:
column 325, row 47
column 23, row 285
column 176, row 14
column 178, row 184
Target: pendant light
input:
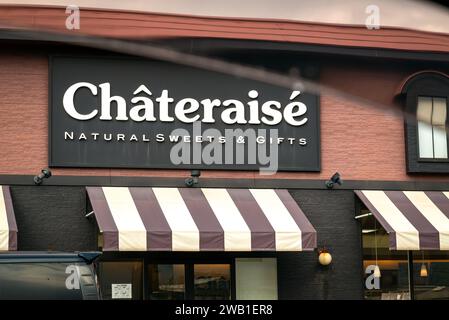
column 324, row 257
column 376, row 269
column 423, row 272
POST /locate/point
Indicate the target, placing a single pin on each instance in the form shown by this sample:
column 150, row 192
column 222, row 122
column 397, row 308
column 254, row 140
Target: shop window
column 385, row 271
column 256, row 279
column 431, row 275
column 401, row 274
column 167, row 281
column 426, row 122
column 171, row 279
column 212, row 281
column 121, row 280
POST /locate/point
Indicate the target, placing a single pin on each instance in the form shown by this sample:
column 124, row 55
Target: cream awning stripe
column 4, row 226
column 237, row 235
column 185, row 233
column 132, row 232
column 288, row 233
column 8, row 226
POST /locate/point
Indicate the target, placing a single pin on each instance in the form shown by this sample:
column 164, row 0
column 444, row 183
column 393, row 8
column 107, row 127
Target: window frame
column 428, row 84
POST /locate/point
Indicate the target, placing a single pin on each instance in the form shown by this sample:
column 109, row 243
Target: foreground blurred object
column 48, row 276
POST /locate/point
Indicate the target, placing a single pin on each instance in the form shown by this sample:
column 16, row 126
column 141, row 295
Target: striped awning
column 200, row 219
column 414, row 220
column 8, row 226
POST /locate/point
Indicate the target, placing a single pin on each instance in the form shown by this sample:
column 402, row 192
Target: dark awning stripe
column 440, row 200
column 211, row 232
column 105, row 220
column 159, row 236
column 263, row 236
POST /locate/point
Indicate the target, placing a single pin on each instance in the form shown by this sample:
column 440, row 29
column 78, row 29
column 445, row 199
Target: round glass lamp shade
column 325, row 258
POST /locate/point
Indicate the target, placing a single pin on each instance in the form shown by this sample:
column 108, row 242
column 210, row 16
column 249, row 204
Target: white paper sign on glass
column 121, row 290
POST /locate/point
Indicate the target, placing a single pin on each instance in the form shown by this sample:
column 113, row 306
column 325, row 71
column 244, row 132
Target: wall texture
column 300, row 275
column 52, row 218
column 360, row 142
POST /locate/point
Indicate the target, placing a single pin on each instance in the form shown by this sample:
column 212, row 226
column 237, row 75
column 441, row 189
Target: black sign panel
column 112, row 112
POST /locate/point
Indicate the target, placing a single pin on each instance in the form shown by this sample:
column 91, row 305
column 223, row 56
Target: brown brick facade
column 362, row 143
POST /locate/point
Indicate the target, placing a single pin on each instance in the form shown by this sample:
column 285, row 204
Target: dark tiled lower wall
column 300, row 276
column 52, row 218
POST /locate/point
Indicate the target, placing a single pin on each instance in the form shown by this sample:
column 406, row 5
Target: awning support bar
column 89, row 214
column 363, row 216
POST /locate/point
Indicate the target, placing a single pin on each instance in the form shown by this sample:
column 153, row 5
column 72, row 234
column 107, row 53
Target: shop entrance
column 157, row 276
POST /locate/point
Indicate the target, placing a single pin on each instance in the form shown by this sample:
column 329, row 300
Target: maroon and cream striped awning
column 200, row 219
column 8, row 226
column 414, row 220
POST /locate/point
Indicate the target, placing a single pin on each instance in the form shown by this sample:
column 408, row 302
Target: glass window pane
column 212, row 281
column 385, row 270
column 121, row 280
column 256, row 278
column 424, row 110
column 439, row 112
column 431, row 275
column 425, row 134
column 167, row 281
column 440, row 142
column 425, row 139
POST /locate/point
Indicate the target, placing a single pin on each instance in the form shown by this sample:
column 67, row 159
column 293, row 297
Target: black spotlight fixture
column 45, row 174
column 335, row 179
column 190, row 182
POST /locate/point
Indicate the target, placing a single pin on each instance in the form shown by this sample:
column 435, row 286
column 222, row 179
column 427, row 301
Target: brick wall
column 360, row 142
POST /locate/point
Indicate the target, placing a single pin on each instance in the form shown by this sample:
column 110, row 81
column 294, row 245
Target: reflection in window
column 390, row 281
column 212, row 281
column 167, row 281
column 431, row 275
